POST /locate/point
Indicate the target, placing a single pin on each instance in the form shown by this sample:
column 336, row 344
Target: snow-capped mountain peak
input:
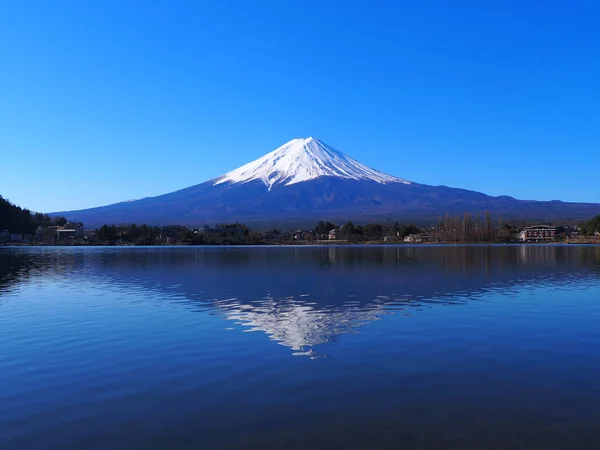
column 302, row 160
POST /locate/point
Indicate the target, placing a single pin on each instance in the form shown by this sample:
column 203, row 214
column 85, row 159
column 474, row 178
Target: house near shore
column 76, row 230
column 416, row 238
column 70, row 232
column 538, row 233
column 301, row 235
column 47, row 235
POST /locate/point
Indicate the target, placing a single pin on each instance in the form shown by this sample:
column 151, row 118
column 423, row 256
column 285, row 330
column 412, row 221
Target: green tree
column 324, row 227
column 19, row 220
column 591, row 226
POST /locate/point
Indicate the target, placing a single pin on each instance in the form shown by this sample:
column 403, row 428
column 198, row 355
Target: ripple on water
column 431, row 347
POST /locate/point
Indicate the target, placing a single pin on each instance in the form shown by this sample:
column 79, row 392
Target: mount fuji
column 306, row 180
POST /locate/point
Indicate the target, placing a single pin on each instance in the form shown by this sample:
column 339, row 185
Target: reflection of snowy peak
column 299, row 325
column 302, row 160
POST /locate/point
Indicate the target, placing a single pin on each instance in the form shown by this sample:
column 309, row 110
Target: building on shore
column 416, row 238
column 538, row 233
column 302, row 235
column 76, row 230
column 65, row 234
column 46, row 235
column 70, row 232
column 4, row 237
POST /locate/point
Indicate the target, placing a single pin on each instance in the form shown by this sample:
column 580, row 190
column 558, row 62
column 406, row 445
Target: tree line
column 134, row 234
column 590, row 227
column 21, row 220
column 470, row 228
column 368, row 232
column 458, row 228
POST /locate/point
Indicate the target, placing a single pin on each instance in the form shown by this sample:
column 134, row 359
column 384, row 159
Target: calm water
column 300, row 348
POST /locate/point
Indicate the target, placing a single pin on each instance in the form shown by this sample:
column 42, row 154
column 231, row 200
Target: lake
column 403, row 347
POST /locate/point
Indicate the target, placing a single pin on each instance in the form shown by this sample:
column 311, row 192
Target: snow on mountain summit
column 302, row 160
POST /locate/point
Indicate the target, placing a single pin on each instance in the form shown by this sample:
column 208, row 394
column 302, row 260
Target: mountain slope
column 306, row 180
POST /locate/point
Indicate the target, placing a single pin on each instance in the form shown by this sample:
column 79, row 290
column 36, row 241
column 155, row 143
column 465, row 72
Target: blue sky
column 113, row 100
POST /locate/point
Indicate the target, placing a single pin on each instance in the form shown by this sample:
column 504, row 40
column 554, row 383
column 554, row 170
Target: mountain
column 307, row 180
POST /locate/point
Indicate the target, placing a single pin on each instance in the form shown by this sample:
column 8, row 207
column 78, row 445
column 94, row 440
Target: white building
column 538, row 233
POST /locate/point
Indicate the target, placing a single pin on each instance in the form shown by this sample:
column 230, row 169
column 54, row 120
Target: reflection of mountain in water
column 297, row 323
column 305, row 297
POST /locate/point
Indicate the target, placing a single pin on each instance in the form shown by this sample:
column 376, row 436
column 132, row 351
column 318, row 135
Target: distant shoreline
column 315, row 244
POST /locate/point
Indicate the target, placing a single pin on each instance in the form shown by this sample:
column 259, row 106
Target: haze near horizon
column 112, row 101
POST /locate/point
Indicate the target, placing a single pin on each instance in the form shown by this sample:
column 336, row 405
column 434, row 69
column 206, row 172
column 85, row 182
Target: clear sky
column 113, row 100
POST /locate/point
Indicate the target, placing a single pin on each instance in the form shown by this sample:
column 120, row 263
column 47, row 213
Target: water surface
column 425, row 347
